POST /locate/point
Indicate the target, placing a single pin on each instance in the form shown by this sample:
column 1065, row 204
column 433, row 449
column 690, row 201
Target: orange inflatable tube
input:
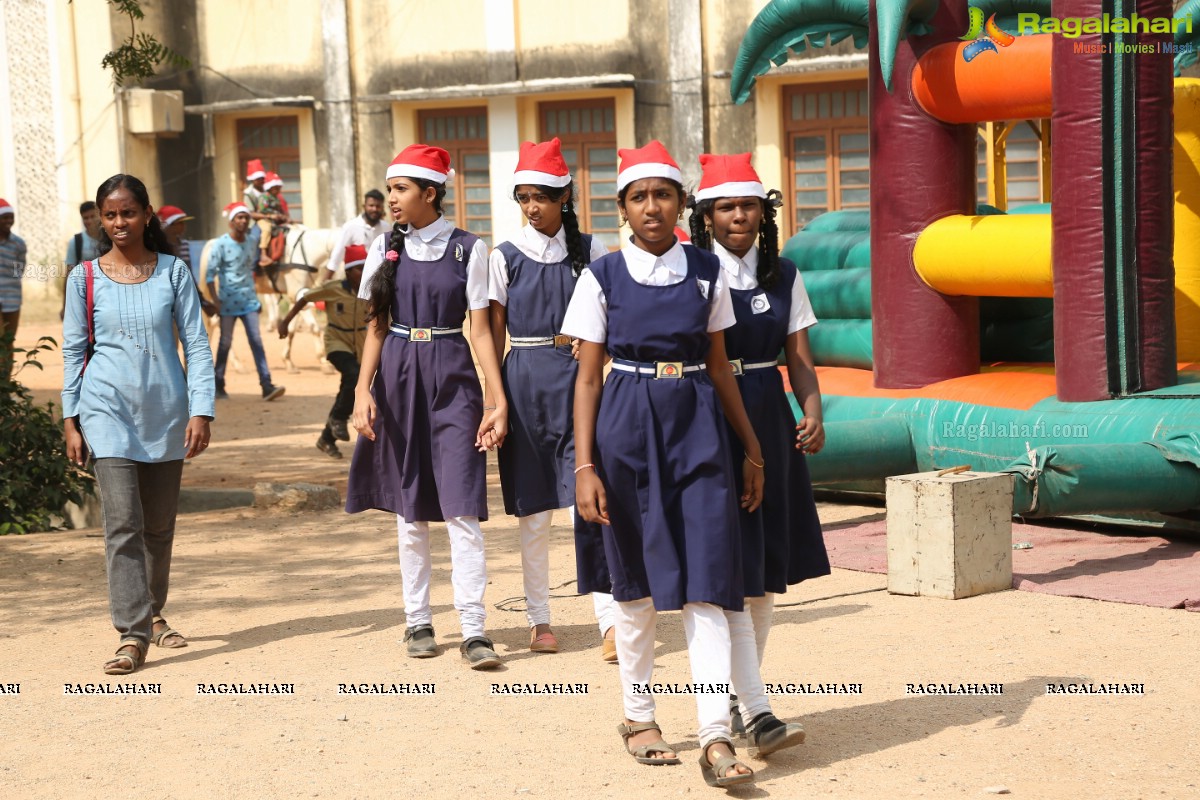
column 999, row 82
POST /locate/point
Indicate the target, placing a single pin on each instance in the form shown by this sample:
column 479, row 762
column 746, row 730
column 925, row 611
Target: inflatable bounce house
column 1059, row 343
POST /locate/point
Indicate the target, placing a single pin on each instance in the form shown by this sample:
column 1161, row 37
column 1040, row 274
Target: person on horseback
column 271, row 219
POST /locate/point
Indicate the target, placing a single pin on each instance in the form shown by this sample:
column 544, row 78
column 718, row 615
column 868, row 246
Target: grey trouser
column 139, row 502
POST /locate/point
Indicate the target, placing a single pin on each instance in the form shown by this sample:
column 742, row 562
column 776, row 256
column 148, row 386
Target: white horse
column 306, row 252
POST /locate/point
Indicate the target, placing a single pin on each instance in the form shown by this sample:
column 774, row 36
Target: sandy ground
column 314, row 600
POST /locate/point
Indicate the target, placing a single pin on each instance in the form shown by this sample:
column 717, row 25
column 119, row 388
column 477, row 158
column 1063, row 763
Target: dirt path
column 314, row 600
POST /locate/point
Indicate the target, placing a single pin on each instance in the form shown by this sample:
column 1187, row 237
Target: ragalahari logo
column 983, row 42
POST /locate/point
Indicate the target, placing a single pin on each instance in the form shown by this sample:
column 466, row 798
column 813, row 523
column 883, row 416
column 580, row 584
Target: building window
column 825, row 127
column 1023, row 165
column 463, row 132
column 588, row 131
column 276, row 141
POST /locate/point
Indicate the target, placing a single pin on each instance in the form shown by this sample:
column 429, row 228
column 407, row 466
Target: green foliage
column 36, row 479
column 140, row 55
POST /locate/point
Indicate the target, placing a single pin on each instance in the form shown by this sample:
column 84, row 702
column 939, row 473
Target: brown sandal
column 721, row 772
column 166, row 633
column 642, row 754
column 124, row 663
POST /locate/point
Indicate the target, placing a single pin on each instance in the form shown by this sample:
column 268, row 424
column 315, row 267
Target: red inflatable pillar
column 1112, row 206
column 921, row 170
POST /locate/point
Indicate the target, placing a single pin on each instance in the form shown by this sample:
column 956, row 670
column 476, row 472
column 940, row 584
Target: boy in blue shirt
column 230, row 265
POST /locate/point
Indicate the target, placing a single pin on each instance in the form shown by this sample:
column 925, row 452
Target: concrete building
column 325, row 92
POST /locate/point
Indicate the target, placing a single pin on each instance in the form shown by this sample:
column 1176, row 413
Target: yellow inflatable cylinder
column 1187, row 218
column 990, row 256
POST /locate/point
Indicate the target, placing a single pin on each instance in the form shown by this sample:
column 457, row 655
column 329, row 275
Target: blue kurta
column 134, row 400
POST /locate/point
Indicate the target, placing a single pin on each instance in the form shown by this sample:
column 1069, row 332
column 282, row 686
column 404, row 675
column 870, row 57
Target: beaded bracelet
column 582, row 467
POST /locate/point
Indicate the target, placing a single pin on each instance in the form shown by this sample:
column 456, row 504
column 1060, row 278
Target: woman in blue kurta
column 133, row 407
column 782, row 543
column 652, row 460
column 530, row 283
column 424, row 426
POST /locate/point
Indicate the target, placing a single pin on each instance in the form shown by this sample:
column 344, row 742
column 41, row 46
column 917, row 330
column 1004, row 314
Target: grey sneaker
column 421, row 643
column 273, row 392
column 478, row 653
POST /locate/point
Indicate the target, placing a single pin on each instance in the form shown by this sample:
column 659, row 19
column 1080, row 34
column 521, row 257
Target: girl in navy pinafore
column 782, row 543
column 423, row 422
column 530, row 283
column 653, row 463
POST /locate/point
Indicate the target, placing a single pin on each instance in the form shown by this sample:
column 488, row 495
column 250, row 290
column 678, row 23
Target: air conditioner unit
column 154, row 112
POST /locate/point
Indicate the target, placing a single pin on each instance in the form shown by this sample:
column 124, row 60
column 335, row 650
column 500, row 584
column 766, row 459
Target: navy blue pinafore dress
column 661, row 448
column 781, row 542
column 423, row 464
column 537, row 461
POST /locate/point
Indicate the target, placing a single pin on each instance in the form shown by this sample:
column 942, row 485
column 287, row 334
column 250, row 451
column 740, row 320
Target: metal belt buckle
column 420, row 334
column 668, row 369
column 561, row 340
column 736, row 365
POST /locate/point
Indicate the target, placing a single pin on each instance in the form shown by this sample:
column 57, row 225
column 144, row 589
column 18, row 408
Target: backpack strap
column 78, row 248
column 89, row 282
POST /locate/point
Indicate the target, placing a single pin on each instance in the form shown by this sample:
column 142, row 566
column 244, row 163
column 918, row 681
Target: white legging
column 748, row 631
column 468, row 572
column 707, row 634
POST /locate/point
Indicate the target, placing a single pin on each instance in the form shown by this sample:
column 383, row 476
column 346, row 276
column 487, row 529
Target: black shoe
column 767, row 734
column 222, row 394
column 272, row 392
column 328, row 447
column 735, row 717
column 338, row 428
column 421, row 643
column 478, row 653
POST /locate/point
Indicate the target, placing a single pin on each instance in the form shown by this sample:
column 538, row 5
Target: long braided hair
column 576, row 254
column 768, row 234
column 383, row 283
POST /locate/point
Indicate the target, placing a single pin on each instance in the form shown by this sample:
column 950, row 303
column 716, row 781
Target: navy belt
column 659, row 370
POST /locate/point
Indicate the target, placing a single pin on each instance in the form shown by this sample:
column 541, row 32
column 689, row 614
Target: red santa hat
column 6, row 207
column 421, row 161
column 235, row 208
column 542, row 164
column 356, row 256
column 273, row 180
column 728, row 176
column 254, row 169
column 170, row 214
column 650, row 161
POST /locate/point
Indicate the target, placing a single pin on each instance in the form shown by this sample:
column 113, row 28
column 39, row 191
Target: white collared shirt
column 356, row 231
column 429, row 244
column 742, row 274
column 587, row 315
column 538, row 246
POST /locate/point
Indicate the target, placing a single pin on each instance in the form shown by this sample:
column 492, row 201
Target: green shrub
column 36, row 479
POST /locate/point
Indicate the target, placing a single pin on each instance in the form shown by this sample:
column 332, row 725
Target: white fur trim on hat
column 647, row 170
column 7, row 210
column 732, row 189
column 233, row 211
column 536, row 178
column 413, row 171
column 173, row 218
